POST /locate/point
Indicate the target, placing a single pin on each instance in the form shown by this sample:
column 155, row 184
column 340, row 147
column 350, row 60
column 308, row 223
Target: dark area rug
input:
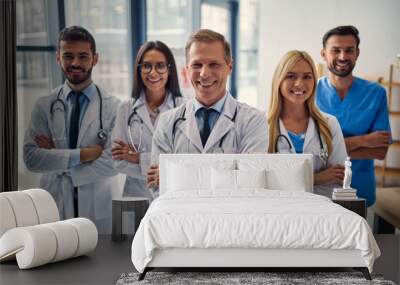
column 273, row 278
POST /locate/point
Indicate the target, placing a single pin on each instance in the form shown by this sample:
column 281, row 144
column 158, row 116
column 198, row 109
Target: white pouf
column 37, row 245
column 30, row 230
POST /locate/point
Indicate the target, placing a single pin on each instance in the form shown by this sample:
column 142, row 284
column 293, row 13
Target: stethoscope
column 323, row 152
column 101, row 134
column 182, row 118
column 134, row 117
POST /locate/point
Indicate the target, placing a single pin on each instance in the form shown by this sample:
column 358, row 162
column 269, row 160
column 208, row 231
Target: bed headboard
column 288, row 167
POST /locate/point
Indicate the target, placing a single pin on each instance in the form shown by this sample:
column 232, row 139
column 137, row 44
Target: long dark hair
column 172, row 83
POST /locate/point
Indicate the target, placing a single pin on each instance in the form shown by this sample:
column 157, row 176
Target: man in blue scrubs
column 359, row 105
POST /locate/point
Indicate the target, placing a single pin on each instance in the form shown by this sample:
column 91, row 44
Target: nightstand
column 138, row 205
column 356, row 205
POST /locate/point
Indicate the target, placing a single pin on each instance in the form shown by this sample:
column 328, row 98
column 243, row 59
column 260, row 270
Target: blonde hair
column 208, row 36
column 275, row 105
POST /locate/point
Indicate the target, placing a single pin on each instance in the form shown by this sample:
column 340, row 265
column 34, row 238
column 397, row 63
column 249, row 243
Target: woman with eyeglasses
column 155, row 90
column 296, row 125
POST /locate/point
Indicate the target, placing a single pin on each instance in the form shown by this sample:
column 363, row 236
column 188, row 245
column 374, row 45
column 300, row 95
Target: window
column 111, row 23
column 216, row 17
column 248, row 52
column 38, row 26
column 108, row 22
column 33, row 82
column 32, row 28
column 188, row 16
column 37, row 72
column 173, row 33
column 160, row 26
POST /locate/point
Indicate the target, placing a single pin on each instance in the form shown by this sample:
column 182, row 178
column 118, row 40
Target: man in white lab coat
column 213, row 121
column 68, row 138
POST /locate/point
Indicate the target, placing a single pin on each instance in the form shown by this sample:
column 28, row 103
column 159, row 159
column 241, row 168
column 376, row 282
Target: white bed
column 221, row 211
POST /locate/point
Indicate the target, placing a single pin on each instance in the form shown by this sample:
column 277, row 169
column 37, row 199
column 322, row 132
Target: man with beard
column 68, row 138
column 359, row 105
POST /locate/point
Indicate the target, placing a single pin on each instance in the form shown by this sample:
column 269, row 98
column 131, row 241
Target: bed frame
column 250, row 259
column 234, row 259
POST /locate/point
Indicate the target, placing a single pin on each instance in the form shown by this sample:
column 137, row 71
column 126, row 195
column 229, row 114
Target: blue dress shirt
column 213, row 117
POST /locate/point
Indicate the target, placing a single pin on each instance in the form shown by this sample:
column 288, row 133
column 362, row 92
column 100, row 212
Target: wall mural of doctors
column 297, row 126
column 213, row 121
column 68, row 138
column 155, row 90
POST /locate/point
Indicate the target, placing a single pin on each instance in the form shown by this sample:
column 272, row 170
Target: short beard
column 78, row 81
column 341, row 73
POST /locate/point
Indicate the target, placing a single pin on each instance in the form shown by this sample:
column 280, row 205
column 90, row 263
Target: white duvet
column 253, row 218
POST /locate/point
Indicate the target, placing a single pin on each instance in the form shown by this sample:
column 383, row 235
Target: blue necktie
column 206, row 130
column 74, row 122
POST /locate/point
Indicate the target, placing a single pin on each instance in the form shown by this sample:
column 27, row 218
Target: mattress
column 251, row 219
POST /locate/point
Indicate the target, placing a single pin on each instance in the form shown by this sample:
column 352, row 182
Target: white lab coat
column 93, row 179
column 142, row 133
column 312, row 145
column 243, row 129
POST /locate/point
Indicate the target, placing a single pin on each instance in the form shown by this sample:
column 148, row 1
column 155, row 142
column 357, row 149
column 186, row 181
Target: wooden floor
column 111, row 259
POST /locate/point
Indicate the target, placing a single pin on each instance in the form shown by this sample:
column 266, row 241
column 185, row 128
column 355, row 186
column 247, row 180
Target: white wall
column 291, row 24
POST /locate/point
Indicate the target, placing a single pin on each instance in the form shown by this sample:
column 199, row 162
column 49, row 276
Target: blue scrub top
column 297, row 140
column 363, row 110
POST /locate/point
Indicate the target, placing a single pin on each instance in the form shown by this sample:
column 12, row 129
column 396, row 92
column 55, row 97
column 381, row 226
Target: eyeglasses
column 160, row 67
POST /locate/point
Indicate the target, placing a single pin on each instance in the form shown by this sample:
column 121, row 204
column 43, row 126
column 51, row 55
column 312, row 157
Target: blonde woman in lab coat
column 296, row 125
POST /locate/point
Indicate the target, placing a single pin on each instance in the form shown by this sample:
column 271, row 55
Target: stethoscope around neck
column 182, row 118
column 101, row 134
column 322, row 154
column 134, row 117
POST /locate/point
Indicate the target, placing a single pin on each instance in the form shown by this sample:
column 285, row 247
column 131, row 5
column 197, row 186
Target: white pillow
column 226, row 179
column 223, row 179
column 281, row 174
column 184, row 174
column 251, row 178
column 281, row 180
column 182, row 177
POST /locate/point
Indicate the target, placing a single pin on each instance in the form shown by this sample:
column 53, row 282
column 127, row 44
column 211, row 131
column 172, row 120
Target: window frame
column 138, row 31
column 55, row 13
column 194, row 13
column 233, row 7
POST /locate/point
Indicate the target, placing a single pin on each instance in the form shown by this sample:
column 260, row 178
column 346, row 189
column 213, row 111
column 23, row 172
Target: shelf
column 383, row 171
column 389, row 171
column 395, row 143
column 388, row 84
